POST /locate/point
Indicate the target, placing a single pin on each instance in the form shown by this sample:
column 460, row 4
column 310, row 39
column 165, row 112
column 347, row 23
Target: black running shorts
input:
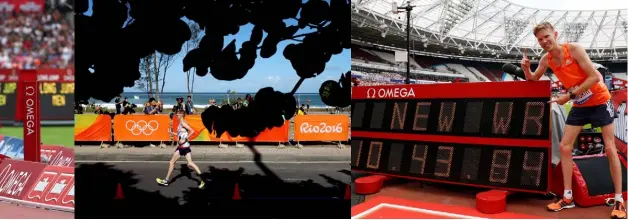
column 597, row 116
column 184, row 150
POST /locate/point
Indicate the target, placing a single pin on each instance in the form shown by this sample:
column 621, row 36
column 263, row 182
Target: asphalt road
column 272, row 190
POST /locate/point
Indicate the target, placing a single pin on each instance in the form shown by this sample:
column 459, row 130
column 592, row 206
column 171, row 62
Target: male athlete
column 183, row 149
column 591, row 104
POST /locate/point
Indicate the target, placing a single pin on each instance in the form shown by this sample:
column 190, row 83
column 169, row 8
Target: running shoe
column 162, row 182
column 201, row 185
column 619, row 210
column 561, row 204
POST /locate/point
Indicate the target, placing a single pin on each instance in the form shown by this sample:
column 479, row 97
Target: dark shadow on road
column 185, row 172
column 262, row 196
column 348, row 172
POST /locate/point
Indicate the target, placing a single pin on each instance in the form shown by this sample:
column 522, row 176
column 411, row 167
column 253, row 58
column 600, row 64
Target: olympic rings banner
column 321, row 128
column 141, row 128
column 279, row 134
column 92, row 128
column 157, row 127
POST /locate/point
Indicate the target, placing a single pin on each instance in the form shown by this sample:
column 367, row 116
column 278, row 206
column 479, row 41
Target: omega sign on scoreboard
column 493, row 135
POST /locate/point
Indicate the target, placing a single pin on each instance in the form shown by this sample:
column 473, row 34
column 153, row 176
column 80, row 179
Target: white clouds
column 273, row 79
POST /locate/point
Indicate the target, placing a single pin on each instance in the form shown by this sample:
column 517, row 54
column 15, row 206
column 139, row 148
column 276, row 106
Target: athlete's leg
column 566, row 150
column 175, row 157
column 608, row 134
column 188, row 157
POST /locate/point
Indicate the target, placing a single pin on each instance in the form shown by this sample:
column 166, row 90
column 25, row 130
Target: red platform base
column 369, row 184
column 491, row 202
column 395, row 208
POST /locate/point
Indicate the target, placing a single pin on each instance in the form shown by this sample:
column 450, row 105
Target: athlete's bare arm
column 187, row 127
column 540, row 70
column 580, row 56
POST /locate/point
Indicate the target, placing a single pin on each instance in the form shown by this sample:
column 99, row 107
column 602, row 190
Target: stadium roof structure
column 496, row 25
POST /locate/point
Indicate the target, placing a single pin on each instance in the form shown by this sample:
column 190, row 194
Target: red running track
column 13, row 211
column 394, row 208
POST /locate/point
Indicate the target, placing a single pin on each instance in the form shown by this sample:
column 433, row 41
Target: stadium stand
column 30, row 40
column 443, row 49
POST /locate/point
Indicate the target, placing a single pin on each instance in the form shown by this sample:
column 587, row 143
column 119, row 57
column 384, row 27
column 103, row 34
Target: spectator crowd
column 36, row 40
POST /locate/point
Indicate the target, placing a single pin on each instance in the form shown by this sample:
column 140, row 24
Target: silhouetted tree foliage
column 337, row 93
column 112, row 44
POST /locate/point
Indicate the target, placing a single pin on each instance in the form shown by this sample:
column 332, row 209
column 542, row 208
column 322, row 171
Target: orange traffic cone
column 119, row 193
column 348, row 192
column 236, row 193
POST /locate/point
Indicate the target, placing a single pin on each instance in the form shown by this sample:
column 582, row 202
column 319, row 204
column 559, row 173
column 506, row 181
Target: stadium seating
column 35, row 40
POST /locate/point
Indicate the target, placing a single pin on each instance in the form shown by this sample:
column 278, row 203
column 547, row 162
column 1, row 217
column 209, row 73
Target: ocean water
column 203, row 98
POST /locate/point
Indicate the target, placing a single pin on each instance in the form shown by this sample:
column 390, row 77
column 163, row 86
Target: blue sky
column 275, row 71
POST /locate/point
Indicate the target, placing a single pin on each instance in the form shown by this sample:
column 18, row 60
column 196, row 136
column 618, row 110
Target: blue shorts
column 597, row 116
column 184, row 150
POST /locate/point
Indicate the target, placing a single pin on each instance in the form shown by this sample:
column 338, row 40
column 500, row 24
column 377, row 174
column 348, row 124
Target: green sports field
column 51, row 135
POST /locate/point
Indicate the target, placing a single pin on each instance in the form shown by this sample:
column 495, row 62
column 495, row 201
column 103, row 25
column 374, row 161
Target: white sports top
column 183, row 135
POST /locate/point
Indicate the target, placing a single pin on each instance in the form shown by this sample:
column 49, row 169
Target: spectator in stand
column 212, row 102
column 179, row 107
column 98, row 110
column 247, row 100
column 189, row 106
column 118, row 105
column 238, row 104
column 152, row 107
column 128, row 107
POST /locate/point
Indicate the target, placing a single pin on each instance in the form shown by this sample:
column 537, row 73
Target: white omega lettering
column 12, row 182
column 142, row 127
column 370, row 93
column 30, row 111
column 60, row 160
column 321, row 128
column 30, row 91
column 390, row 93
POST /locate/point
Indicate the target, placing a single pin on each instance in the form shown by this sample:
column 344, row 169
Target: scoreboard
column 56, row 92
column 8, row 88
column 56, row 100
column 493, row 135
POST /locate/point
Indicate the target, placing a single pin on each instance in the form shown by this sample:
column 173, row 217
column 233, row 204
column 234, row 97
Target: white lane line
column 420, row 210
column 206, row 162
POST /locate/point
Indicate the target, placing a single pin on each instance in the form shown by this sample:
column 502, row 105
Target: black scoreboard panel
column 502, row 118
column 8, row 100
column 503, row 167
column 56, row 100
column 486, row 142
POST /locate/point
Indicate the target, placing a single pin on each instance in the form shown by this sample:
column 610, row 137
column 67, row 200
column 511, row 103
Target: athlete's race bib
column 583, row 97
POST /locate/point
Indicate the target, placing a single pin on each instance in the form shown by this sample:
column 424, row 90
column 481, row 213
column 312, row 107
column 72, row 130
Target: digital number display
column 492, row 135
column 7, row 100
column 454, row 163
